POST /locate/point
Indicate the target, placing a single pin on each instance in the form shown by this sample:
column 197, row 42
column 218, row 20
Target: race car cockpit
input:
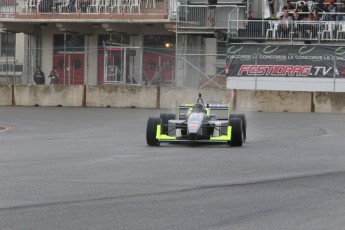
column 199, row 108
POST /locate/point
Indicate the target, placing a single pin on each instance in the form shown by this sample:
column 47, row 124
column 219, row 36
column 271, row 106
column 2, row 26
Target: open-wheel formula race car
column 198, row 123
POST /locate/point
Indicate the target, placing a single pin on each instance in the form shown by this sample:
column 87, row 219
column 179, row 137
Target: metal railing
column 293, row 31
column 15, row 8
column 200, row 16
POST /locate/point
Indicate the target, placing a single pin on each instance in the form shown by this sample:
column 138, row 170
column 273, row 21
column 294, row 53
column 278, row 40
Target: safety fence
column 201, row 70
column 120, row 65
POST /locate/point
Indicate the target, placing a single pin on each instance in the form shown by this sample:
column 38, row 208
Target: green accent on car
column 208, row 111
column 226, row 137
column 160, row 136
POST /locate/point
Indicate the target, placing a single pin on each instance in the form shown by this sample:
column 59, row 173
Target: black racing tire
column 165, row 117
column 151, row 131
column 244, row 123
column 237, row 132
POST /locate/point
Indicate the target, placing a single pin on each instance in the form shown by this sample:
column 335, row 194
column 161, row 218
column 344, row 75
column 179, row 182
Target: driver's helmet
column 199, row 108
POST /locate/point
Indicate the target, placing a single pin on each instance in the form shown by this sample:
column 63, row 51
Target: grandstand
column 270, row 53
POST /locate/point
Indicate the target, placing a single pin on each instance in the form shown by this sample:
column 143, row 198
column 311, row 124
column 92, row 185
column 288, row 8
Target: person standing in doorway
column 39, row 78
column 54, row 76
column 212, row 12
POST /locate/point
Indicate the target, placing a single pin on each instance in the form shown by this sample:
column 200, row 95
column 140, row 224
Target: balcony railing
column 188, row 16
column 293, row 31
column 98, row 9
column 199, row 16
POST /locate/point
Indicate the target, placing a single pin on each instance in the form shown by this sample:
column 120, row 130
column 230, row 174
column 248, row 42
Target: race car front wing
column 167, row 138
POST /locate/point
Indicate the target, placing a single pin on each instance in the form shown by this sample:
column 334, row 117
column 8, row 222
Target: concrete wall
column 5, row 94
column 329, row 102
column 126, row 96
column 273, row 101
column 48, row 95
column 121, row 96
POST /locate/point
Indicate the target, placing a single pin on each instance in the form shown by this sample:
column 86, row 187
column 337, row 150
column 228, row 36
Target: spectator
column 288, row 7
column 212, row 12
column 296, row 25
column 39, row 78
column 296, row 16
column 321, row 7
column 284, row 25
column 317, row 16
column 341, row 11
column 54, row 76
column 83, row 5
column 331, row 16
column 303, row 10
column 310, row 29
column 302, row 7
column 71, row 6
column 311, row 17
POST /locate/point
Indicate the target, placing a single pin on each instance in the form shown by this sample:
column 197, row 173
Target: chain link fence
column 119, row 65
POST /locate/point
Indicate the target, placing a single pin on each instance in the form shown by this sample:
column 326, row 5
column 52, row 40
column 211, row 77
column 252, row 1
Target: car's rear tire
column 237, row 132
column 244, row 123
column 151, row 131
column 165, row 117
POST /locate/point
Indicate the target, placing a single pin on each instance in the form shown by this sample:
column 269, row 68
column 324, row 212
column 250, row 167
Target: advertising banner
column 312, row 61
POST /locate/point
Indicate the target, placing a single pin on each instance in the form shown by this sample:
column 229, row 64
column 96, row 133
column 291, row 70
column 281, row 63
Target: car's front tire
column 151, row 131
column 236, row 133
column 244, row 123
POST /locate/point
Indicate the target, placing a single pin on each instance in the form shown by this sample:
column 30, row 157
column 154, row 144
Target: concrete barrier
column 48, row 95
column 329, row 102
column 5, row 94
column 127, row 96
column 121, row 96
column 273, row 101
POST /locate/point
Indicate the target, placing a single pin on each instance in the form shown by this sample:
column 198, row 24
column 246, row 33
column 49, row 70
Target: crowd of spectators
column 325, row 10
column 300, row 17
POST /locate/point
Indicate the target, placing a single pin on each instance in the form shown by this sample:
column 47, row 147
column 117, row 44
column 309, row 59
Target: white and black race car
column 198, row 123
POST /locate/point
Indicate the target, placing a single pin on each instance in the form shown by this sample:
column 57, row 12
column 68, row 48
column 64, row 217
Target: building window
column 158, row 41
column 74, row 43
column 8, row 44
column 113, row 40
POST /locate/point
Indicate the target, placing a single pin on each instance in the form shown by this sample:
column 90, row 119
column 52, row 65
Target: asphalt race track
column 88, row 168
